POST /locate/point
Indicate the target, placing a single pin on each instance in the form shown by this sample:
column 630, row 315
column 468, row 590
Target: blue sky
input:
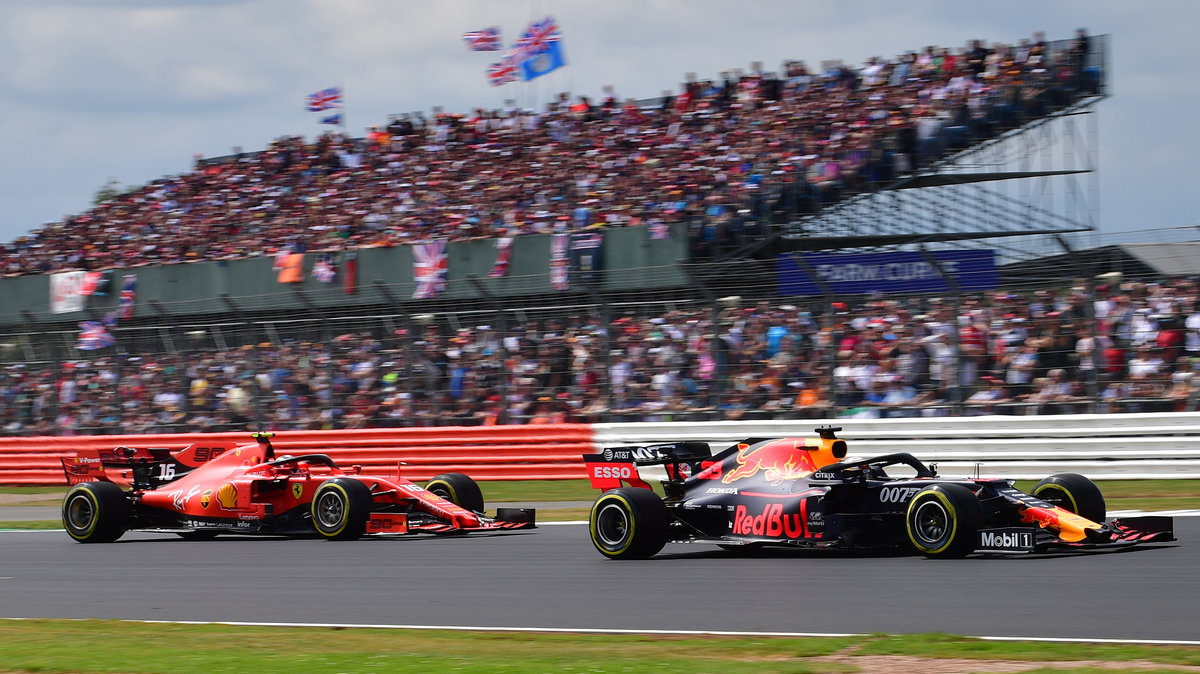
column 133, row 89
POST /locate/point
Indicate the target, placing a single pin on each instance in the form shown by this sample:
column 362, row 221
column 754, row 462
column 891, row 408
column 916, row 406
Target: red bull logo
column 777, row 460
column 1069, row 526
column 772, row 522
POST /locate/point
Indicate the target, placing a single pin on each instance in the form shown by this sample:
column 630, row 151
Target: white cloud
column 134, row 88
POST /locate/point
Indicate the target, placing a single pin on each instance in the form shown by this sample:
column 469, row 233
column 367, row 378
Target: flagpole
column 342, row 90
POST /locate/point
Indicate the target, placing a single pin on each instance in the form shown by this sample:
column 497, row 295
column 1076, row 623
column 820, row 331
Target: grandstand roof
column 1136, row 261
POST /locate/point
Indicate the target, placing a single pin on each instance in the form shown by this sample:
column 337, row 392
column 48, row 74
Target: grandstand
column 621, row 261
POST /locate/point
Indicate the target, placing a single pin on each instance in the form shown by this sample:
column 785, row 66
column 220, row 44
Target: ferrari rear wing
column 91, row 465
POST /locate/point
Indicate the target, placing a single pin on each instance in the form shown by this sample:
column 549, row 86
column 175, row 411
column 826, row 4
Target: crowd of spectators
column 717, row 152
column 1128, row 347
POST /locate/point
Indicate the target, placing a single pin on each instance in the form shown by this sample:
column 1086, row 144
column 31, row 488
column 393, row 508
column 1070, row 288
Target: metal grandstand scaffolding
column 1018, row 166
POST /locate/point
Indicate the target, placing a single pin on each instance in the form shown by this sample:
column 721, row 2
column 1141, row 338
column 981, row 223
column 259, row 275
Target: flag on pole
column 323, row 270
column 325, row 99
column 429, row 269
column 539, row 51
column 560, row 266
column 487, row 39
column 349, row 272
column 539, row 37
column 128, row 298
column 503, row 256
column 502, row 72
column 543, row 62
column 94, row 335
column 332, row 119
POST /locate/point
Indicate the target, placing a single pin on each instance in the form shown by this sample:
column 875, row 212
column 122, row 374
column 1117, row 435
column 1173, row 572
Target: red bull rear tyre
column 629, row 523
column 942, row 521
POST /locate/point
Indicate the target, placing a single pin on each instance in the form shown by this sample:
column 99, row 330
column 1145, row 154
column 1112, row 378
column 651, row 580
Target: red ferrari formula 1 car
column 805, row 492
column 211, row 488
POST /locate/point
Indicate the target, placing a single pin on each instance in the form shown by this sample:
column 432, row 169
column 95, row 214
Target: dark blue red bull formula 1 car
column 806, row 492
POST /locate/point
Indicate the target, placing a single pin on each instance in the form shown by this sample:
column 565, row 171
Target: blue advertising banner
column 901, row 272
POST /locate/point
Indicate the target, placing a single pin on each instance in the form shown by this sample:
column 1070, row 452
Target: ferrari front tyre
column 629, row 523
column 458, row 489
column 1074, row 492
column 341, row 507
column 943, row 520
column 95, row 512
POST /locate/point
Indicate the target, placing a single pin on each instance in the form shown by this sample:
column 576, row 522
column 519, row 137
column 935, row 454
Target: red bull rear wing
column 619, row 465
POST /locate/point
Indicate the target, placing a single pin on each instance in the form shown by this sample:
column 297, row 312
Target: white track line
column 601, row 630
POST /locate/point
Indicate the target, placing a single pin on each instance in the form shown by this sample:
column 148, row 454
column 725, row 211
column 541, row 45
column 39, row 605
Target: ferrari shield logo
column 297, row 490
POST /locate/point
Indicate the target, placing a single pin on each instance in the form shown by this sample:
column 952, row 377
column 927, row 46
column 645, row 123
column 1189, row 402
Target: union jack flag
column 324, row 99
column 94, row 335
column 502, row 72
column 323, row 269
column 429, row 269
column 503, row 256
column 487, row 39
column 538, row 36
column 128, row 297
column 560, row 265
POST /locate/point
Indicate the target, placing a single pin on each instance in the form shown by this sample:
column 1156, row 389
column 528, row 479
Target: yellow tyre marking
column 449, row 488
column 90, row 496
column 345, row 508
column 950, row 511
column 1062, row 490
column 597, row 507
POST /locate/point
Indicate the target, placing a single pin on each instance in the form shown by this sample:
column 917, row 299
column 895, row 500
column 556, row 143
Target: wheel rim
column 330, row 510
column 612, row 525
column 931, row 522
column 80, row 512
column 442, row 493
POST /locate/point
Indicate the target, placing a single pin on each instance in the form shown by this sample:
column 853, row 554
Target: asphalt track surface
column 553, row 578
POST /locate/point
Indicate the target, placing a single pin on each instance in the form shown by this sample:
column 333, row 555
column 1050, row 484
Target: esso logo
column 618, row 472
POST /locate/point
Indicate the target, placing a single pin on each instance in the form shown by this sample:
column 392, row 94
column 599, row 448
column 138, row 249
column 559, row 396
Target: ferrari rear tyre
column 1074, row 492
column 629, row 523
column 341, row 507
column 95, row 512
column 458, row 489
column 942, row 521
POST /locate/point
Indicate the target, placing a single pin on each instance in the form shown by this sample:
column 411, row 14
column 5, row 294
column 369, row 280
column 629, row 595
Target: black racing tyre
column 340, row 508
column 1074, row 492
column 458, row 489
column 96, row 512
column 200, row 535
column 629, row 523
column 943, row 520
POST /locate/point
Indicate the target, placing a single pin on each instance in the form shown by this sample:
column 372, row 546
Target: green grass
column 1144, row 494
column 32, row 524
column 1120, row 494
column 32, row 490
column 949, row 646
column 538, row 490
column 112, row 646
column 1150, row 495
